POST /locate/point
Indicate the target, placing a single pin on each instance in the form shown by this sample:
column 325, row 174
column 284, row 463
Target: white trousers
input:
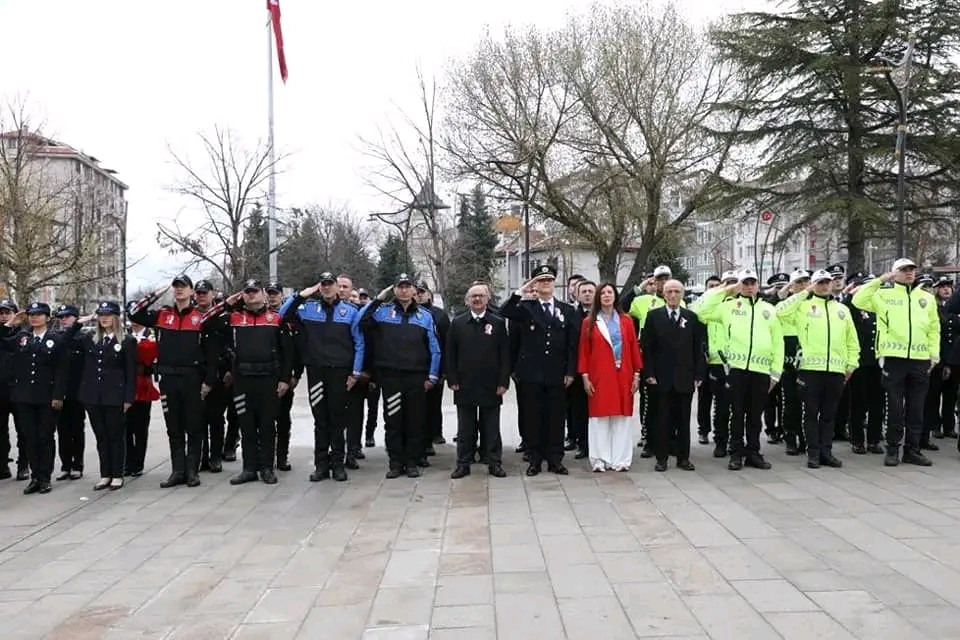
column 610, row 441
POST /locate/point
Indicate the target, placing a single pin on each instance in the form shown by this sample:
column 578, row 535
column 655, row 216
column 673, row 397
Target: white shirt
column 477, row 317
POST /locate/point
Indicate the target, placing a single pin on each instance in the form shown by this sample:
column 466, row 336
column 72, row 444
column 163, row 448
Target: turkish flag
column 273, row 6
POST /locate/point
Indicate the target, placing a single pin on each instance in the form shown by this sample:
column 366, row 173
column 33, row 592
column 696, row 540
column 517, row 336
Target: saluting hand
column 56, row 405
column 385, row 294
column 309, row 291
column 235, row 298
column 204, row 391
column 126, row 406
column 351, row 382
column 162, row 290
column 17, row 319
column 90, row 317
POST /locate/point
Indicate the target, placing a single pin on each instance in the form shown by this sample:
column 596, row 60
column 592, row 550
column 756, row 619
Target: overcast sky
column 122, row 79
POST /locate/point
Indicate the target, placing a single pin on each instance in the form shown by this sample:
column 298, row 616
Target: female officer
column 138, row 416
column 39, row 385
column 108, row 389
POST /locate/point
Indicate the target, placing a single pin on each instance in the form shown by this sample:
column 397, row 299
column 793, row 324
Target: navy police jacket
column 329, row 335
column 406, row 340
column 40, row 364
column 109, row 372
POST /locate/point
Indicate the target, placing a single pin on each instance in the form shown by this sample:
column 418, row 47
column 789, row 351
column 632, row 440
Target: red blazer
column 147, row 351
column 612, row 388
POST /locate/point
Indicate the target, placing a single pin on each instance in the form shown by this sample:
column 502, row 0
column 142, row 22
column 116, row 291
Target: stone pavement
column 862, row 552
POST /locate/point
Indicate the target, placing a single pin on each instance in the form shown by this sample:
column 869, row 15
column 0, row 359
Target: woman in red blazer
column 611, row 364
column 138, row 416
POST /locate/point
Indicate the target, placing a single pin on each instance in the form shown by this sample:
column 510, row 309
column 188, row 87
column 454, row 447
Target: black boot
column 268, row 476
column 216, row 466
column 282, row 463
column 892, row 459
column 244, row 477
column 339, row 473
column 175, row 479
column 792, row 448
column 321, row 471
column 917, row 458
column 23, row 471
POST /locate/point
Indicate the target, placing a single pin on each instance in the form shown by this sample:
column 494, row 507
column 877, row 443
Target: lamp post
column 898, row 76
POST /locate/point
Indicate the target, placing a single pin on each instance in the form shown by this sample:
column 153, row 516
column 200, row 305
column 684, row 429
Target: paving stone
column 464, row 590
column 584, row 618
column 287, row 604
column 455, row 617
column 772, row 596
column 402, row 606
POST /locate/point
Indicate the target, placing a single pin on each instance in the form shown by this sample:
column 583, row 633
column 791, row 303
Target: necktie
column 673, row 315
column 546, row 309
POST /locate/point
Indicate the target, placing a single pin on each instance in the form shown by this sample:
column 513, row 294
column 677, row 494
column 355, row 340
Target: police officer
column 70, row 423
column 841, row 423
column 137, row 418
column 705, row 393
column 718, row 389
column 867, row 397
column 188, row 368
column 332, row 347
column 274, row 300
column 754, row 352
column 546, row 365
column 39, row 387
column 262, row 353
column 108, row 389
column 830, row 353
column 435, row 396
column 215, row 404
column 773, row 411
column 790, row 403
column 908, row 347
column 7, row 309
column 406, row 360
column 940, row 418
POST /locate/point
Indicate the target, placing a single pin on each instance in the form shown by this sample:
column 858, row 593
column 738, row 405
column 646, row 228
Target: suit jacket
column 41, row 368
column 548, row 346
column 477, row 359
column 109, row 371
column 674, row 354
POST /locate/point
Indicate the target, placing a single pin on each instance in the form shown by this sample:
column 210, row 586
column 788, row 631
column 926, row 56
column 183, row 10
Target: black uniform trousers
column 821, row 393
column 214, row 407
column 232, row 433
column 704, row 409
column 405, row 415
column 137, row 421
column 544, row 407
column 671, row 432
column 7, row 410
column 108, row 427
column 717, row 380
column 373, row 401
column 577, row 416
column 867, row 405
column 748, row 394
column 791, row 405
column 70, row 435
column 773, row 412
column 38, row 422
column 435, row 413
column 354, row 424
column 183, row 411
column 841, row 427
column 329, row 403
column 905, row 382
column 284, row 425
column 521, row 418
column 485, row 421
column 256, row 402
column 941, row 402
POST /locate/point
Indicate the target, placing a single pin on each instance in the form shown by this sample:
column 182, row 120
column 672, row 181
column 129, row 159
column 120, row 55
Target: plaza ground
column 860, row 552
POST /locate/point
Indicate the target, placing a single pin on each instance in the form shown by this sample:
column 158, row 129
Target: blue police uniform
column 71, row 440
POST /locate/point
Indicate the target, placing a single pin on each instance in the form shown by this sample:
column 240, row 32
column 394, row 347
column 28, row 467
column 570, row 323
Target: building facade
column 87, row 230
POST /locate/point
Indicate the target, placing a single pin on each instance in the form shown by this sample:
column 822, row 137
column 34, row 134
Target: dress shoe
column 351, row 463
column 244, row 477
column 892, row 457
column 103, row 484
column 63, row 476
column 686, row 465
column 756, row 461
column 792, row 448
column 859, row 449
column 831, row 461
column 283, row 464
column 661, row 466
column 268, row 476
column 439, row 440
column 704, row 438
column 813, row 463
column 875, row 448
column 319, row 474
column 216, row 466
column 497, row 471
column 735, row 464
column 394, row 472
column 720, row 450
column 116, row 483
column 359, row 455
column 370, row 442
column 429, row 450
column 44, row 487
column 533, row 470
column 413, row 472
column 5, row 472
column 193, row 480
column 230, row 455
column 581, row 454
column 174, row 480
column 33, row 487
column 423, row 462
column 558, row 469
column 339, row 474
column 137, row 473
column 917, row 458
column 460, row 472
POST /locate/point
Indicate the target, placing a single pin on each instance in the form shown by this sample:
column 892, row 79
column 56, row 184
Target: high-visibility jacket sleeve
column 865, row 297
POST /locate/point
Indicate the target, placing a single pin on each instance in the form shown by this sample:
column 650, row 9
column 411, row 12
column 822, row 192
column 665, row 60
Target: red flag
column 273, row 6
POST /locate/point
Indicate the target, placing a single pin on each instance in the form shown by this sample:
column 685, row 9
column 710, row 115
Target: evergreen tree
column 394, row 260
column 474, row 256
column 667, row 253
column 254, row 248
column 821, row 122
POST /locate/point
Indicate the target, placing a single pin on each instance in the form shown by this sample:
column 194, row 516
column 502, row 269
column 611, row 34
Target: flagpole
column 272, row 181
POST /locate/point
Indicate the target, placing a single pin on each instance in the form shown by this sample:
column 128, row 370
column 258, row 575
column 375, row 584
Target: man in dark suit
column 577, row 414
column 546, row 365
column 477, row 360
column 674, row 355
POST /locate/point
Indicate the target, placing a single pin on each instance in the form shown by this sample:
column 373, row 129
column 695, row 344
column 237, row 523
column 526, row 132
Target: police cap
column 403, row 278
column 274, row 286
column 108, row 308
column 38, row 309
column 252, row 285
column 8, row 305
column 203, row 286
column 65, row 310
column 545, row 272
column 182, row 280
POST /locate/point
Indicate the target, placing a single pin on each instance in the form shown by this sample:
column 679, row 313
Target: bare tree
column 225, row 186
column 405, row 175
column 51, row 220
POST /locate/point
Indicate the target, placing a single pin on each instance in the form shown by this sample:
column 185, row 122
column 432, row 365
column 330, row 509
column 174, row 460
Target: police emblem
column 23, row 341
column 923, row 303
column 195, row 320
column 766, row 314
column 268, row 316
column 393, row 313
column 841, row 315
column 49, row 344
column 343, row 311
column 117, row 347
column 488, row 329
column 419, row 316
column 864, row 315
column 739, row 304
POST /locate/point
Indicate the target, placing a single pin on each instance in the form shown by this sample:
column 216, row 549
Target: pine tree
column 474, row 254
column 821, row 120
column 394, row 260
column 254, row 248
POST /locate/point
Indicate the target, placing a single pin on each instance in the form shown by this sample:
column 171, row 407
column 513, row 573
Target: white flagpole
column 272, row 182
